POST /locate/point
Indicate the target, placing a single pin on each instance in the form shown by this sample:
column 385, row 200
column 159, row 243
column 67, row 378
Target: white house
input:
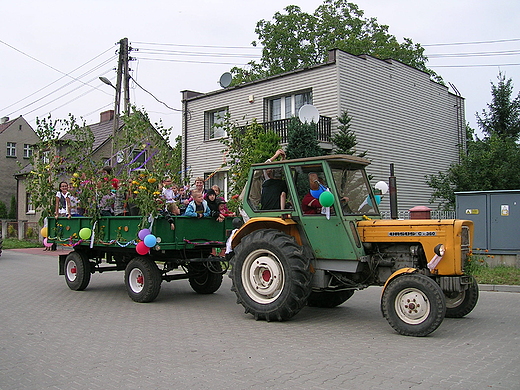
column 399, row 115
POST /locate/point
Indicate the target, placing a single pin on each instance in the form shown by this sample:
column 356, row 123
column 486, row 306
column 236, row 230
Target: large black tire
column 270, row 274
column 77, row 271
column 205, row 278
column 413, row 304
column 461, row 303
column 142, row 279
column 328, row 298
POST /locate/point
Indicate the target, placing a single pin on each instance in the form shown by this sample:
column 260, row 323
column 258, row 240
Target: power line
column 203, row 46
column 148, row 92
column 189, row 61
column 470, row 66
column 54, row 82
column 471, row 43
column 476, row 54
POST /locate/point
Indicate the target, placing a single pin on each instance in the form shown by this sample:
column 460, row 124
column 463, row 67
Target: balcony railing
column 280, row 127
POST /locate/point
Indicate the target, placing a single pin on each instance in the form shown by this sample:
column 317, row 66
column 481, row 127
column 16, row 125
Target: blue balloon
column 378, row 200
column 150, row 240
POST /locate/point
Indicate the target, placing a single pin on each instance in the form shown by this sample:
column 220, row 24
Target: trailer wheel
column 270, row 275
column 205, row 278
column 413, row 305
column 142, row 279
column 459, row 304
column 77, row 271
column 328, row 299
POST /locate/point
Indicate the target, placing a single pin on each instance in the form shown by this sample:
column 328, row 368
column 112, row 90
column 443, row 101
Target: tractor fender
column 401, row 271
column 287, row 225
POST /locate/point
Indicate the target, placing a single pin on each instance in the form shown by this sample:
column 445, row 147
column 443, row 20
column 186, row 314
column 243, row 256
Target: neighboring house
column 17, row 138
column 399, row 116
column 101, row 151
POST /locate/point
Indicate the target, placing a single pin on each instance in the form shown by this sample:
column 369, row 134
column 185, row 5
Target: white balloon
column 382, row 186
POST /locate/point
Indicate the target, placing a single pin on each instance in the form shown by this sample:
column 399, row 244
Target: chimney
column 4, row 119
column 107, row 116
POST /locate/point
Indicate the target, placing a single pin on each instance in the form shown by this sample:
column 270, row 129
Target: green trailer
column 190, row 248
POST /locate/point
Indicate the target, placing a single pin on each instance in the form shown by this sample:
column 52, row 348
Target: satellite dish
column 308, row 113
column 225, row 80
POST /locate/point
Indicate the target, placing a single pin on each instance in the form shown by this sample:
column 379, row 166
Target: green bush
column 3, row 210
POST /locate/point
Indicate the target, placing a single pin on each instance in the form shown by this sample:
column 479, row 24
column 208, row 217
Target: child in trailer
column 198, row 207
column 62, row 208
column 223, row 209
column 213, row 201
column 169, row 194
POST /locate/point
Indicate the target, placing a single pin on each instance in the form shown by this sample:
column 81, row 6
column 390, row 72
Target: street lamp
column 116, row 113
column 107, row 81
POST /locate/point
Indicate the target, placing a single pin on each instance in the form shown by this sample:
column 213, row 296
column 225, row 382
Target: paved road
column 55, row 338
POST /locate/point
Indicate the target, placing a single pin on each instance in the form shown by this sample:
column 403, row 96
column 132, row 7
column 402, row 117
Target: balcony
column 323, row 130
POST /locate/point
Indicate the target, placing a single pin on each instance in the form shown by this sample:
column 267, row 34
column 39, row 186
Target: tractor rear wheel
column 270, row 274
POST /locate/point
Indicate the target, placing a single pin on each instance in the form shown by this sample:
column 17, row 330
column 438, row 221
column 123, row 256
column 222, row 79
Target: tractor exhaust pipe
column 392, row 189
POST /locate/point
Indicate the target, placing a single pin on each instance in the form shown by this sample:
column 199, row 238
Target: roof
column 4, row 126
column 101, row 131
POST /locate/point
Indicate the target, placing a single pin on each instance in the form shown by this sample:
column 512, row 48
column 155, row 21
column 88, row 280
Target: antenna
column 225, row 80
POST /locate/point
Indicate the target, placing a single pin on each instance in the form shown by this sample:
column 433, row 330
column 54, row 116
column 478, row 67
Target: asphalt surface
column 55, row 338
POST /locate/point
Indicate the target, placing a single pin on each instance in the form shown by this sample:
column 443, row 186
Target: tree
column 301, row 140
column 503, row 117
column 53, row 158
column 245, row 146
column 12, row 208
column 490, row 163
column 345, row 139
column 295, row 39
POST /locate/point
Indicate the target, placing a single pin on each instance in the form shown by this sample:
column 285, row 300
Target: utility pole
column 122, row 75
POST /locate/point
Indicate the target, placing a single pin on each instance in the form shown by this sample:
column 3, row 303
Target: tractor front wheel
column 413, row 304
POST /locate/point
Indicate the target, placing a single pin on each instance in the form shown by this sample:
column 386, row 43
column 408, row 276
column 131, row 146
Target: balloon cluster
column 148, row 240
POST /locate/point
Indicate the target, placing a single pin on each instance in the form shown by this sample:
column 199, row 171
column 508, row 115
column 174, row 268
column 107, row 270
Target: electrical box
column 496, row 218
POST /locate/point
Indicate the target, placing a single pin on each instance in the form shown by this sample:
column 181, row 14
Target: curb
column 499, row 288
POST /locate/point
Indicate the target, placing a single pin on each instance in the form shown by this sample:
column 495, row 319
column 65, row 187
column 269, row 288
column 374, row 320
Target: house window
column 285, row 107
column 27, row 151
column 11, row 149
column 138, row 159
column 214, row 120
column 29, row 208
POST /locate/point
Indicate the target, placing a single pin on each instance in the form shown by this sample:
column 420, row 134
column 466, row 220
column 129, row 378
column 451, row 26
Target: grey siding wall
column 402, row 117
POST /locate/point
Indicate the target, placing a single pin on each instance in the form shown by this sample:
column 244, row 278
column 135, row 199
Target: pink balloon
column 46, row 243
column 141, row 248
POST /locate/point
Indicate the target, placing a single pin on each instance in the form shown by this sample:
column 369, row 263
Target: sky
column 53, row 52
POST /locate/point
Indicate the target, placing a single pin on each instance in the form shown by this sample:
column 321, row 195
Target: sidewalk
column 63, row 250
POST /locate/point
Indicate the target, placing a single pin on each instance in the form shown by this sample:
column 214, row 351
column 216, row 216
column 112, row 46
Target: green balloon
column 85, row 233
column 326, row 199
